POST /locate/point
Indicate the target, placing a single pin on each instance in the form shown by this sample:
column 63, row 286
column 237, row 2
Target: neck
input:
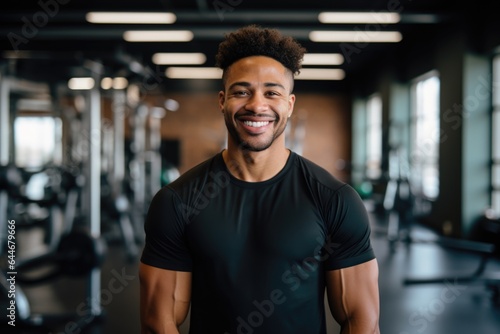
column 255, row 166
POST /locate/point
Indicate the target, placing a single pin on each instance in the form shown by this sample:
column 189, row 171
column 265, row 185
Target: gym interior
column 100, row 109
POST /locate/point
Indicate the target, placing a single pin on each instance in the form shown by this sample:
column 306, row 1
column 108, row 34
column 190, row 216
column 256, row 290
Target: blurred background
column 104, row 102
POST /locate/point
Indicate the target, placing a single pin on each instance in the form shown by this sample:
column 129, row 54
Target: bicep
column 164, row 298
column 353, row 294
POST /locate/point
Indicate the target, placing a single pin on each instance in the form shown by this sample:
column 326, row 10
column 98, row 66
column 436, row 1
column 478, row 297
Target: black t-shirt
column 258, row 251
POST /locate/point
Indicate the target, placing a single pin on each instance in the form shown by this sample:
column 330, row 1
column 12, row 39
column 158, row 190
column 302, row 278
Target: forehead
column 258, row 69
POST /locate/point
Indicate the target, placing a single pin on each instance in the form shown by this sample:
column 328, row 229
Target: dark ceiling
column 62, row 41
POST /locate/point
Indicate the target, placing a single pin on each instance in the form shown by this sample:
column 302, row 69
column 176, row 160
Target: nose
column 257, row 103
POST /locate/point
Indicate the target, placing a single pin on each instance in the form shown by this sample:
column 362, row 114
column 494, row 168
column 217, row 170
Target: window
column 495, row 144
column 374, row 137
column 37, row 141
column 424, row 154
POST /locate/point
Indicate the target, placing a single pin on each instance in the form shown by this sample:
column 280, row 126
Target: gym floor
column 447, row 307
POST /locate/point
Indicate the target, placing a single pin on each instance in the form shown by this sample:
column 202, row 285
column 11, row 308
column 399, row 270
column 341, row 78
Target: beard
column 260, row 143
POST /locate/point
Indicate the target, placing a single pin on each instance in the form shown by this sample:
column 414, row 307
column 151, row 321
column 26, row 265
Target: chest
column 275, row 224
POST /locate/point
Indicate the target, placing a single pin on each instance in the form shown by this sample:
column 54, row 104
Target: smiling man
column 253, row 237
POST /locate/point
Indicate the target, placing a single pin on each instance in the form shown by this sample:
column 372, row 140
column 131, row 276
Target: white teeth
column 255, row 124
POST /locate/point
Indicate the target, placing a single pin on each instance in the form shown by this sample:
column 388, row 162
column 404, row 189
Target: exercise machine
column 73, row 250
column 398, row 201
column 484, row 242
column 116, row 204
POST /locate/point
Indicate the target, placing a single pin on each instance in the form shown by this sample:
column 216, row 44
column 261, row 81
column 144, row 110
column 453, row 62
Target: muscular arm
column 354, row 298
column 165, row 298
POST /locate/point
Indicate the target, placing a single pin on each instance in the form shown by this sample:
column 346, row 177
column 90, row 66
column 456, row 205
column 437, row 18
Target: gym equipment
column 9, row 86
column 155, row 116
column 10, row 182
column 72, row 251
column 146, row 162
column 59, row 198
column 485, row 242
column 92, row 188
column 115, row 202
column 398, row 201
column 77, row 254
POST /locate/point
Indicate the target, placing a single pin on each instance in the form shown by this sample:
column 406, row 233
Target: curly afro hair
column 253, row 40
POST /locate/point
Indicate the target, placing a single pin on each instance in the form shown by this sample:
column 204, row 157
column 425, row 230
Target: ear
column 222, row 99
column 291, row 103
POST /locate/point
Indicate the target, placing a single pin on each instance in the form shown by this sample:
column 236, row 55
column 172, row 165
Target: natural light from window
column 374, row 137
column 37, row 141
column 424, row 163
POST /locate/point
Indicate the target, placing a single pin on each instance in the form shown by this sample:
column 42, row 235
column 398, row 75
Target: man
column 250, row 238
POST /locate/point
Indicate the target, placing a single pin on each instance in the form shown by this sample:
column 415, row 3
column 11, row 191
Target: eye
column 240, row 93
column 272, row 93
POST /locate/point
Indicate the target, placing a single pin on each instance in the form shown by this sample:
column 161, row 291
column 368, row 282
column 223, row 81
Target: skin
column 259, row 89
column 164, row 299
column 353, row 297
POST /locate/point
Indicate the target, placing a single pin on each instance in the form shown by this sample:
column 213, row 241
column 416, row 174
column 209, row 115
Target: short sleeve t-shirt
column 258, row 251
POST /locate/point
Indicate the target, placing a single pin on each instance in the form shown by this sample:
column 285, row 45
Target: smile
column 256, row 124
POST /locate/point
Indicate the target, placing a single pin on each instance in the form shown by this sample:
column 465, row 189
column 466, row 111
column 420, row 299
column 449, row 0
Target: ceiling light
column 115, row 83
column 323, row 59
column 193, row 73
column 106, row 83
column 179, row 58
column 356, row 17
column 130, row 18
column 358, row 36
column 120, row 83
column 320, row 74
column 158, row 36
column 84, row 83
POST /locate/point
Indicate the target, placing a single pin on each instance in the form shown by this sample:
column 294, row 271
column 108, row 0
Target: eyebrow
column 247, row 84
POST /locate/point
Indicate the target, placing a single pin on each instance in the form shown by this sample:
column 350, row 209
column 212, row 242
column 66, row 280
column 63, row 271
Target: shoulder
column 317, row 174
column 195, row 175
column 330, row 193
column 179, row 195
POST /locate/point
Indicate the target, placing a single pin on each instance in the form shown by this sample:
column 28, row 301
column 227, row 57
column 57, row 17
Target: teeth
column 255, row 124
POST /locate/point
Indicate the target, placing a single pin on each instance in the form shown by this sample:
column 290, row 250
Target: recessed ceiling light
column 359, row 17
column 158, row 36
column 320, row 74
column 81, row 83
column 130, row 18
column 107, row 83
column 178, row 58
column 357, row 36
column 193, row 73
column 120, row 83
column 323, row 59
